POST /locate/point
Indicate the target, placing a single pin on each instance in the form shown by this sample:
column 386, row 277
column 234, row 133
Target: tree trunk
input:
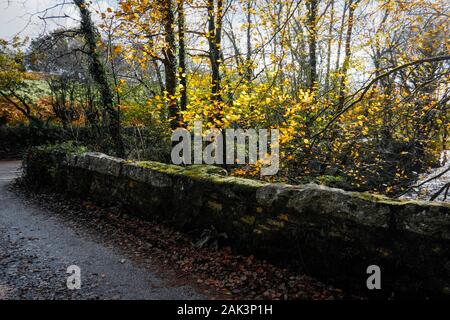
column 249, row 70
column 158, row 75
column 330, row 36
column 215, row 55
column 312, row 42
column 214, row 41
column 341, row 32
column 182, row 55
column 345, row 66
column 170, row 65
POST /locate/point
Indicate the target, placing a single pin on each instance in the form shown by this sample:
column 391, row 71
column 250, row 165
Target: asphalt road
column 37, row 247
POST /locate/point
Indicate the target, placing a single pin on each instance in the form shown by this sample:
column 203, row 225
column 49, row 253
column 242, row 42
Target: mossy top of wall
column 430, row 218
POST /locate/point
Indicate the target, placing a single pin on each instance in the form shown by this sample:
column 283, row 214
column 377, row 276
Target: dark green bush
column 41, row 163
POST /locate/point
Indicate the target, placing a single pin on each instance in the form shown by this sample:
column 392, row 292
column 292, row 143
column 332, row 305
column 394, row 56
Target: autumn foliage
column 357, row 88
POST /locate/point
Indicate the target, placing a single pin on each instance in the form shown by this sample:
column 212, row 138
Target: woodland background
column 358, row 88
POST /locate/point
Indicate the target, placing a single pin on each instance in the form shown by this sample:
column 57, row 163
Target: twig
column 425, row 182
column 375, row 80
column 446, row 187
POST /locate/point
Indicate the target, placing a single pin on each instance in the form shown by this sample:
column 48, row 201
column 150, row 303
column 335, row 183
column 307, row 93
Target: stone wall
column 329, row 233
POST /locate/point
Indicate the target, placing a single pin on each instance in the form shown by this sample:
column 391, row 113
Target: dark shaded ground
column 37, row 246
column 122, row 257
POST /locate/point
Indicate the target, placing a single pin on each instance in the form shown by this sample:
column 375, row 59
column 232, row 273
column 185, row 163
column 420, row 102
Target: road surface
column 37, row 247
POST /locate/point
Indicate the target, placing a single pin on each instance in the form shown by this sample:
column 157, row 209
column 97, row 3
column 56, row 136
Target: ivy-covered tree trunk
column 98, row 73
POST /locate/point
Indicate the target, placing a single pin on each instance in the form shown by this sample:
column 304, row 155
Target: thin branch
column 446, row 187
column 375, row 80
column 425, row 182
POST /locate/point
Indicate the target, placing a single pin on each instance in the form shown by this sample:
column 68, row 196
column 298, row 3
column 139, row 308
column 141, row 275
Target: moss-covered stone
column 330, row 233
